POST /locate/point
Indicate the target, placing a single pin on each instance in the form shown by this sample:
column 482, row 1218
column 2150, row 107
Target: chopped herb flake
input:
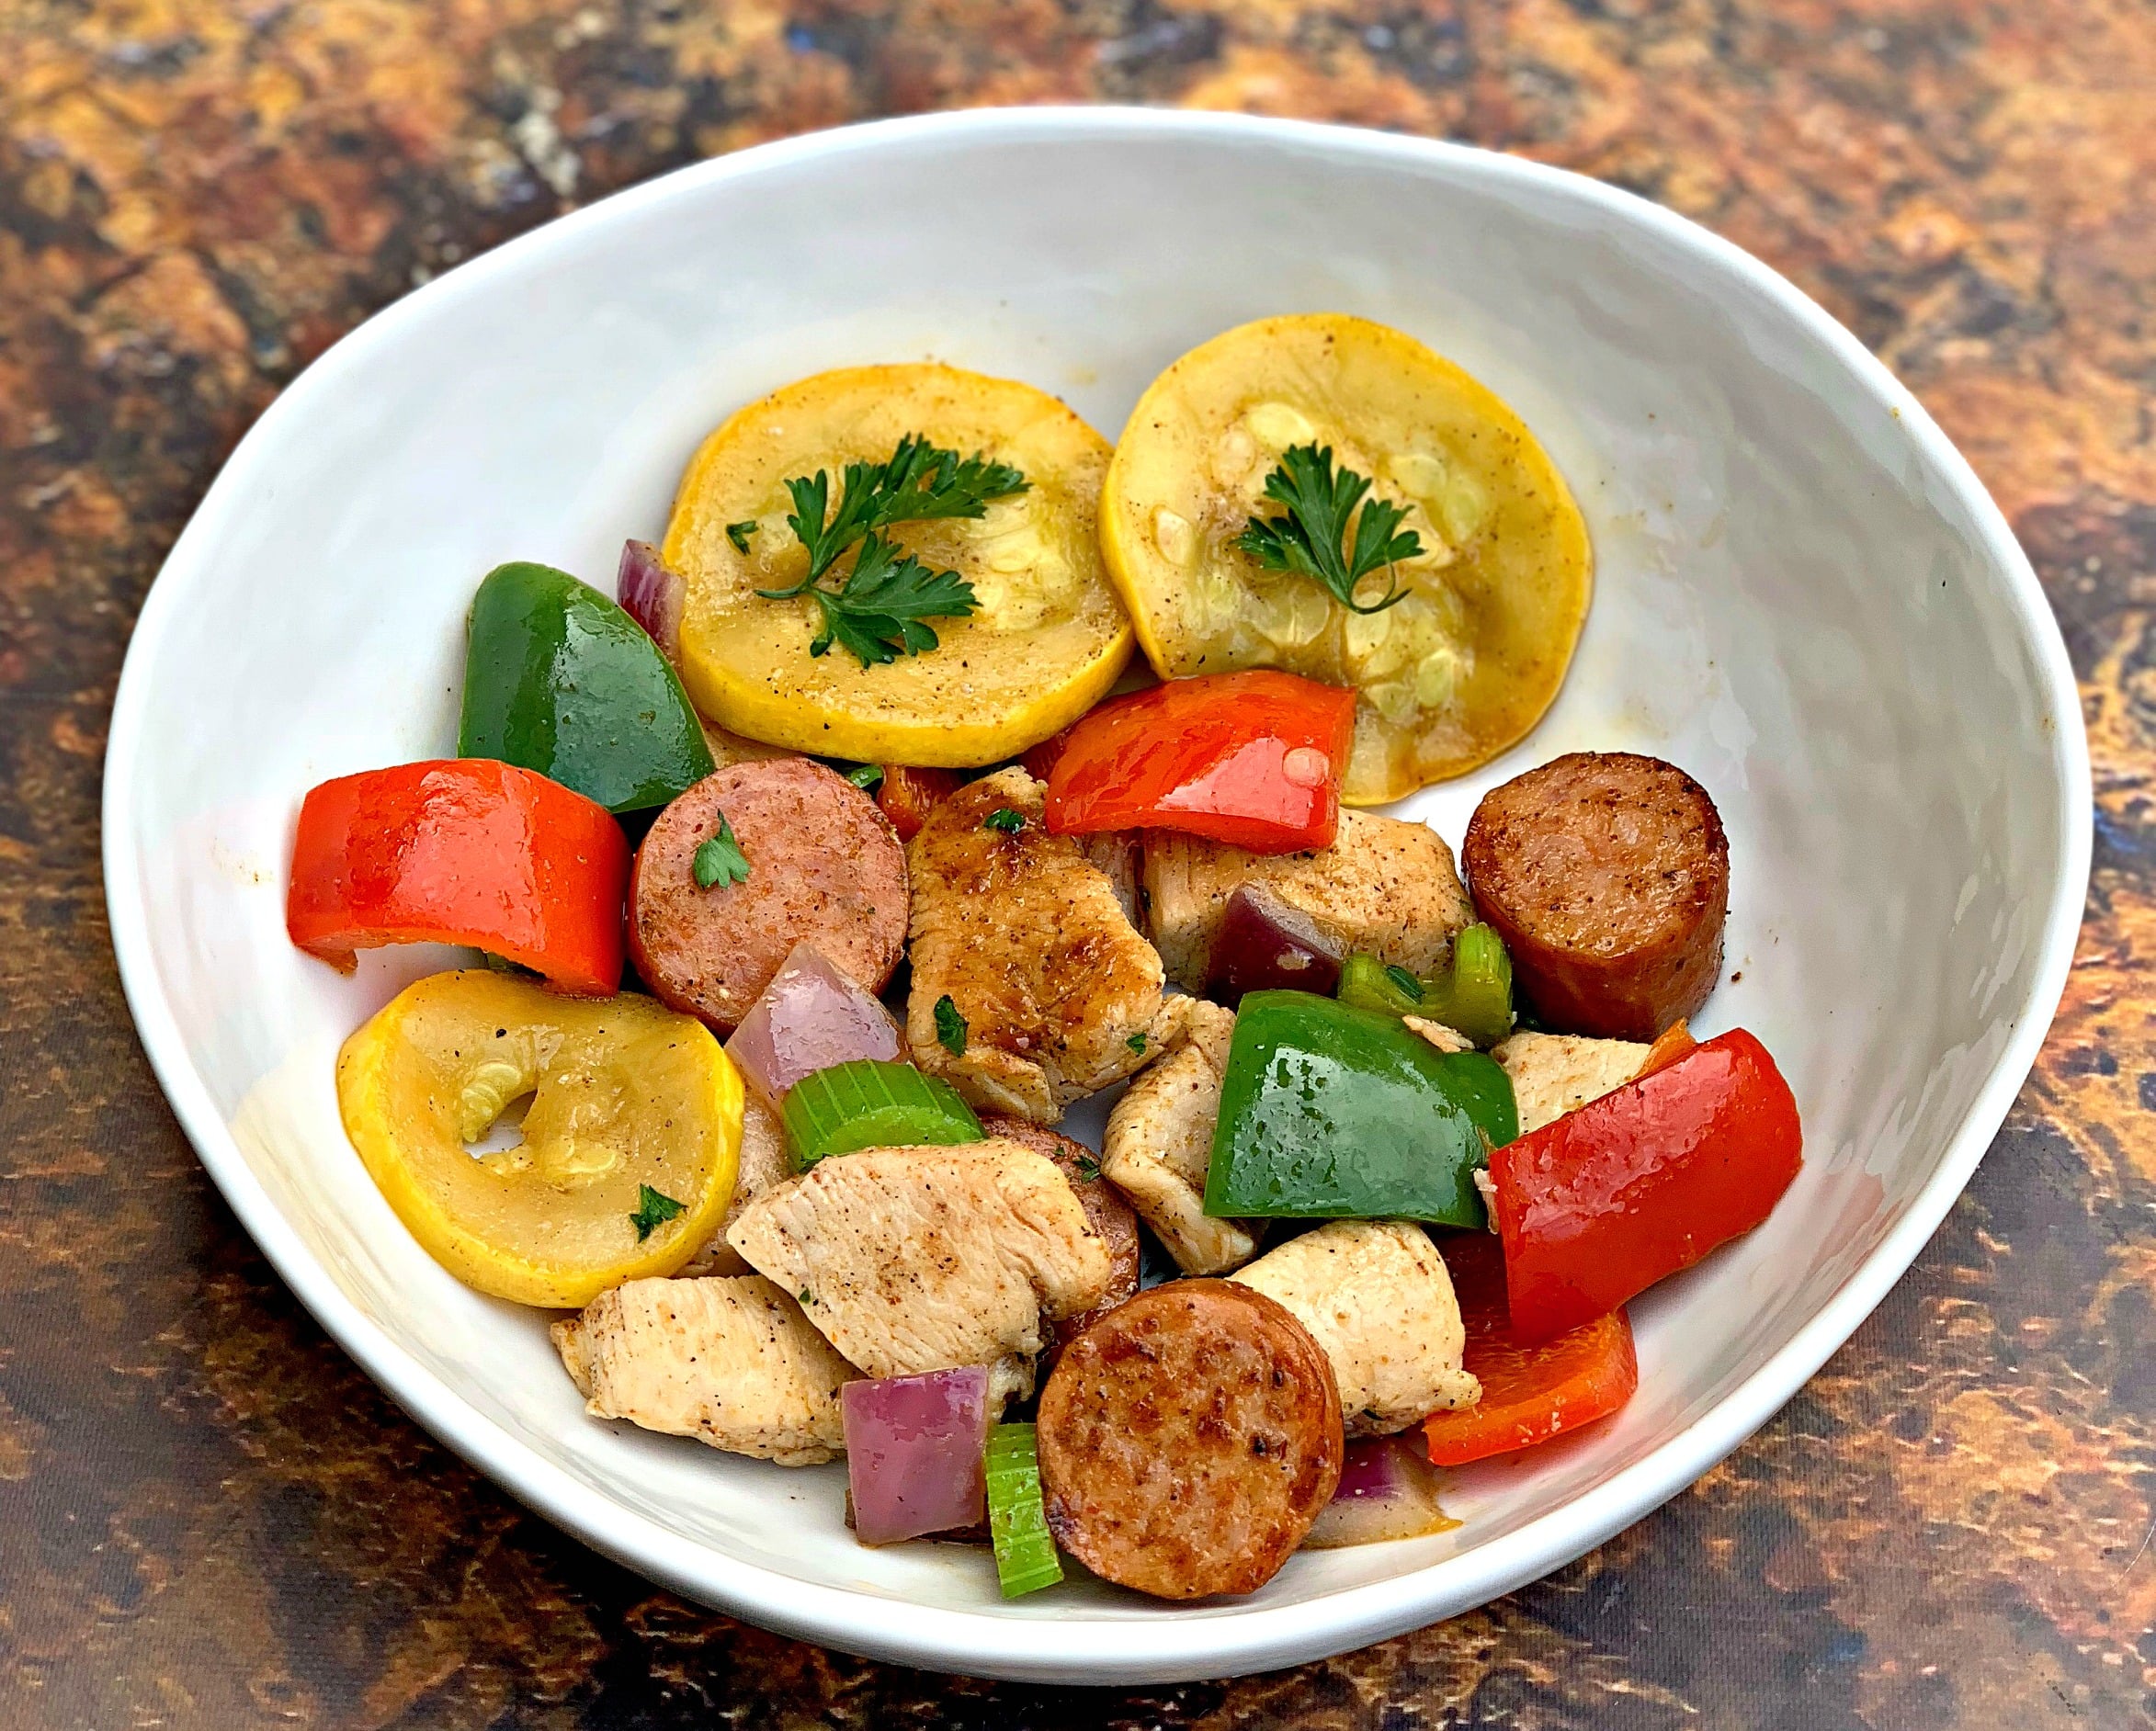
column 719, row 860
column 653, row 1209
column 950, row 1027
column 740, row 535
column 1004, row 820
column 868, row 777
column 1136, row 1042
column 1406, row 981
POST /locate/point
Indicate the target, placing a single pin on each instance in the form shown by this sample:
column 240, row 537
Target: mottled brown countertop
column 209, row 1518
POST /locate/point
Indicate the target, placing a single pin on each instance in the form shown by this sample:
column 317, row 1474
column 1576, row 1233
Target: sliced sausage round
column 1188, row 1438
column 1106, row 1212
column 823, row 863
column 1607, row 876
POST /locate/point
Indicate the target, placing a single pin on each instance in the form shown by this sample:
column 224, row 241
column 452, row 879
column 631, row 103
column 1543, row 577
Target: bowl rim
column 1085, row 1648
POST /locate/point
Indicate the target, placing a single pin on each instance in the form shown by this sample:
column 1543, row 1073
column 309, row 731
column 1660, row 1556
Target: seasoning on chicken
column 764, row 1161
column 1375, row 1294
column 729, row 1361
column 921, row 1258
column 1384, row 887
column 1556, row 1073
column 1160, row 1141
column 1032, row 989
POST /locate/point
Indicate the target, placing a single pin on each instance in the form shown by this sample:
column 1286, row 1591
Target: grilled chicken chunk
column 1027, row 938
column 1384, row 886
column 1159, row 1144
column 1556, row 1073
column 921, row 1258
column 1375, row 1294
column 1444, row 1038
column 764, row 1161
column 729, row 1361
column 1105, row 1211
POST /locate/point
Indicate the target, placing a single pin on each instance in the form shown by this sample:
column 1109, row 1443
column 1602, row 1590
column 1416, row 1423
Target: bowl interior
column 1803, row 600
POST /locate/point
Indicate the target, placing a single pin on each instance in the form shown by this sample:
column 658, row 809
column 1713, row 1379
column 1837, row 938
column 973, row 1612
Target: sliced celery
column 868, row 1102
column 1476, row 996
column 1473, row 997
column 1366, row 983
column 1026, row 1557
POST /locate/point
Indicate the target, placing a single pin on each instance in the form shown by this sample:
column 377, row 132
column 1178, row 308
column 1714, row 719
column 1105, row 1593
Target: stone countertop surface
column 209, row 1518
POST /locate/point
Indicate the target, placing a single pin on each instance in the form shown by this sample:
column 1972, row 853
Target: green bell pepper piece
column 1328, row 1110
column 558, row 679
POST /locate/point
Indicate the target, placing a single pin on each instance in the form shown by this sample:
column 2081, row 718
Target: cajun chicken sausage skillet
column 816, row 876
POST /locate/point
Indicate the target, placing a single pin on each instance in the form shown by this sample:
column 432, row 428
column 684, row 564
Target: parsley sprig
column 879, row 613
column 1313, row 538
column 879, row 608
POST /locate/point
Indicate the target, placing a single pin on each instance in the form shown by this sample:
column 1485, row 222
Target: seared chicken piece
column 1384, row 886
column 1375, row 1294
column 1058, row 994
column 1121, row 854
column 1444, row 1038
column 921, row 1258
column 1105, row 1211
column 729, row 1361
column 1159, row 1144
column 1556, row 1073
column 764, row 1161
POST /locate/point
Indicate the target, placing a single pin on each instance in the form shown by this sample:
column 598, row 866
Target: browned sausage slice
column 823, row 863
column 1607, row 876
column 1188, row 1438
column 1106, row 1212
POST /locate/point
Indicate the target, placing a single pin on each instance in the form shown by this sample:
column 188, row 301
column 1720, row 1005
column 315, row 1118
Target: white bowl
column 1805, row 598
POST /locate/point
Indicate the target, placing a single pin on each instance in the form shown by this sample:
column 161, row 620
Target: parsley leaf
column 1003, row 820
column 877, row 612
column 1136, row 1042
column 738, row 533
column 653, row 1209
column 721, row 860
column 950, row 1026
column 1406, row 981
column 1309, row 538
column 920, row 481
column 1088, row 1166
column 868, row 777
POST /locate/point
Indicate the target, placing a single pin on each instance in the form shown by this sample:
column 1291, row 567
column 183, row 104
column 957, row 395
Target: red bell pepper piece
column 1600, row 1205
column 462, row 851
column 908, row 795
column 1252, row 758
column 1530, row 1393
column 1671, row 1043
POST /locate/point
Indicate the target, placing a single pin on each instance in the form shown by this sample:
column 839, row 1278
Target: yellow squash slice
column 1451, row 676
column 629, row 1102
column 1049, row 636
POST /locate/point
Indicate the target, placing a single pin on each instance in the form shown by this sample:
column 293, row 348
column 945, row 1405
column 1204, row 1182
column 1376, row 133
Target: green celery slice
column 1026, row 1559
column 1476, row 996
column 1366, row 983
column 871, row 1103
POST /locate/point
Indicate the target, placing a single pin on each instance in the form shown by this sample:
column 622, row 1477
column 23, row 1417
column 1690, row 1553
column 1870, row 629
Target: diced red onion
column 914, row 1448
column 1388, row 1491
column 1264, row 946
column 812, row 1015
column 650, row 595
